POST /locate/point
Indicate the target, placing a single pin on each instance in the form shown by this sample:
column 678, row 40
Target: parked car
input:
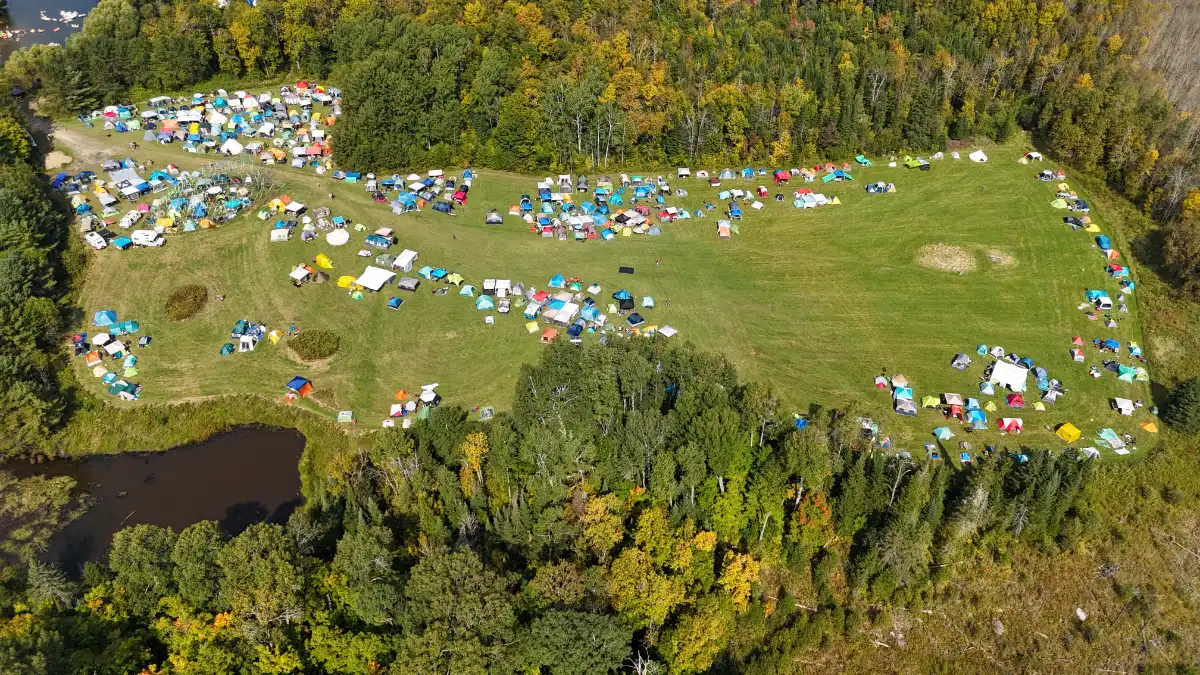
column 96, row 241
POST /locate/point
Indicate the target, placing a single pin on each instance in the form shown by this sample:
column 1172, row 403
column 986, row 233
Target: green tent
column 930, row 401
column 484, row 303
column 1059, row 203
column 227, row 349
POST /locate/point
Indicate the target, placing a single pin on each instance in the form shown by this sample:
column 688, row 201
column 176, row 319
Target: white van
column 147, row 238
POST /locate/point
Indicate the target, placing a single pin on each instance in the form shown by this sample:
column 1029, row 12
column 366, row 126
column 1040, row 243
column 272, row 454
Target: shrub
column 1183, row 407
column 312, row 345
column 186, row 301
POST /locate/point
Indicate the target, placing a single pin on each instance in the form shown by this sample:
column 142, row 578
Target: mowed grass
column 815, row 302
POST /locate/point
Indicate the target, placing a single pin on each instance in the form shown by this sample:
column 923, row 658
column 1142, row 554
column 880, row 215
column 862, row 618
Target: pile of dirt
column 946, row 258
column 1000, row 258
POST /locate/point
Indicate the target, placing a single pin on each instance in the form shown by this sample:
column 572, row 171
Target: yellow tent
column 274, row 336
column 345, row 281
column 165, row 222
column 1039, row 406
column 835, row 200
column 532, row 327
column 1150, row 426
column 1063, row 187
column 1092, row 228
column 1068, row 432
column 990, row 406
column 206, row 224
column 276, row 204
column 324, row 261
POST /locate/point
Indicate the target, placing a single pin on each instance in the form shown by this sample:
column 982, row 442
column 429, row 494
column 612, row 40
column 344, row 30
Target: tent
column 903, row 392
column 323, row 261
column 484, row 303
column 960, row 362
column 1059, row 203
column 978, row 156
column 1015, row 401
column 374, row 278
column 928, row 401
column 943, row 433
column 103, row 318
column 1010, row 424
column 952, row 399
column 906, row 407
column 337, row 237
column 1068, row 432
column 1008, row 375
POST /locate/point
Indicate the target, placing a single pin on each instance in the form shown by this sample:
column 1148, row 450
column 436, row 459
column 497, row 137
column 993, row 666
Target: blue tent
column 587, row 207
column 557, row 281
column 1094, row 295
column 943, row 433
column 394, row 302
column 426, row 272
column 467, row 291
column 641, row 192
column 747, row 173
column 1103, row 242
column 442, row 207
column 622, row 295
column 590, row 313
column 122, row 243
column 297, row 383
column 976, row 416
column 1109, row 343
column 903, row 392
column 801, row 423
column 59, row 178
column 105, row 317
column 484, row 303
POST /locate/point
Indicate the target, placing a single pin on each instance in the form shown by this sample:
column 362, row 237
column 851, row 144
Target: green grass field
column 814, row 301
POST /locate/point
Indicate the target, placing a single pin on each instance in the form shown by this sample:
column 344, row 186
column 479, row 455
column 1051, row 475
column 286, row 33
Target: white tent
column 280, row 234
column 232, row 147
column 405, row 260
column 667, row 331
column 978, row 156
column 374, row 278
column 1123, row 405
column 1008, row 375
column 337, row 237
column 217, row 118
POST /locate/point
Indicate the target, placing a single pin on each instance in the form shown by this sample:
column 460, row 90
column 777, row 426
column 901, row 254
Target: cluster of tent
column 274, row 127
column 414, row 192
column 109, row 343
column 605, row 216
column 828, row 172
column 185, row 201
column 246, row 335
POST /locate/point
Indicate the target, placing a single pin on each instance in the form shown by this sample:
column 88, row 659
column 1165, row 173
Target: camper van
column 147, row 238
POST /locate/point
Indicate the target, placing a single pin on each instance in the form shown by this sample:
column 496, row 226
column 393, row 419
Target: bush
column 1183, row 407
column 315, row 344
column 186, row 301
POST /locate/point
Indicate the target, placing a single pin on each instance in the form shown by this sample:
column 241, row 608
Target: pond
column 246, row 476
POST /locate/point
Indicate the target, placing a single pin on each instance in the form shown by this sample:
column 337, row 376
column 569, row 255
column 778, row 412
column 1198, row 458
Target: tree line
column 547, row 84
column 35, row 274
column 640, row 510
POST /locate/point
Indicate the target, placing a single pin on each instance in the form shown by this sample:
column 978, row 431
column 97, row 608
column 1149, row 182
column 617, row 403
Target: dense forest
column 639, row 509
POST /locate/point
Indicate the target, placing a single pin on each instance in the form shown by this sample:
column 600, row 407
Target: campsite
column 816, row 299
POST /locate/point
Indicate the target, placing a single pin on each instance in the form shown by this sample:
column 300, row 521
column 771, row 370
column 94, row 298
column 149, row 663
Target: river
column 239, row 478
column 25, row 18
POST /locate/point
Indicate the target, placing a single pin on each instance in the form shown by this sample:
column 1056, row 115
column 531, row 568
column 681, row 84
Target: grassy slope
column 815, row 301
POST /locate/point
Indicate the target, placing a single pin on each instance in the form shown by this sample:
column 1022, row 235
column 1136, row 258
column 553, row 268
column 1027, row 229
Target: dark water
column 243, row 477
column 24, row 17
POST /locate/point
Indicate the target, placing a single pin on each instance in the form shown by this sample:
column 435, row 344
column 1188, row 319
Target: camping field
column 816, row 301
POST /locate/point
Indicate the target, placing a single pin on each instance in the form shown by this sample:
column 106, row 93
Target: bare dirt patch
column 1000, row 257
column 947, row 258
column 57, row 160
column 85, row 149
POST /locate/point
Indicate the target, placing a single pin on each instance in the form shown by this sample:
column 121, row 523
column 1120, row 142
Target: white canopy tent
column 1008, row 375
column 375, row 278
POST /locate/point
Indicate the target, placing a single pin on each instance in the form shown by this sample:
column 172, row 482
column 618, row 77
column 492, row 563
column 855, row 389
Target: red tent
column 1077, row 340
column 1015, row 401
column 1010, row 424
column 955, row 411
